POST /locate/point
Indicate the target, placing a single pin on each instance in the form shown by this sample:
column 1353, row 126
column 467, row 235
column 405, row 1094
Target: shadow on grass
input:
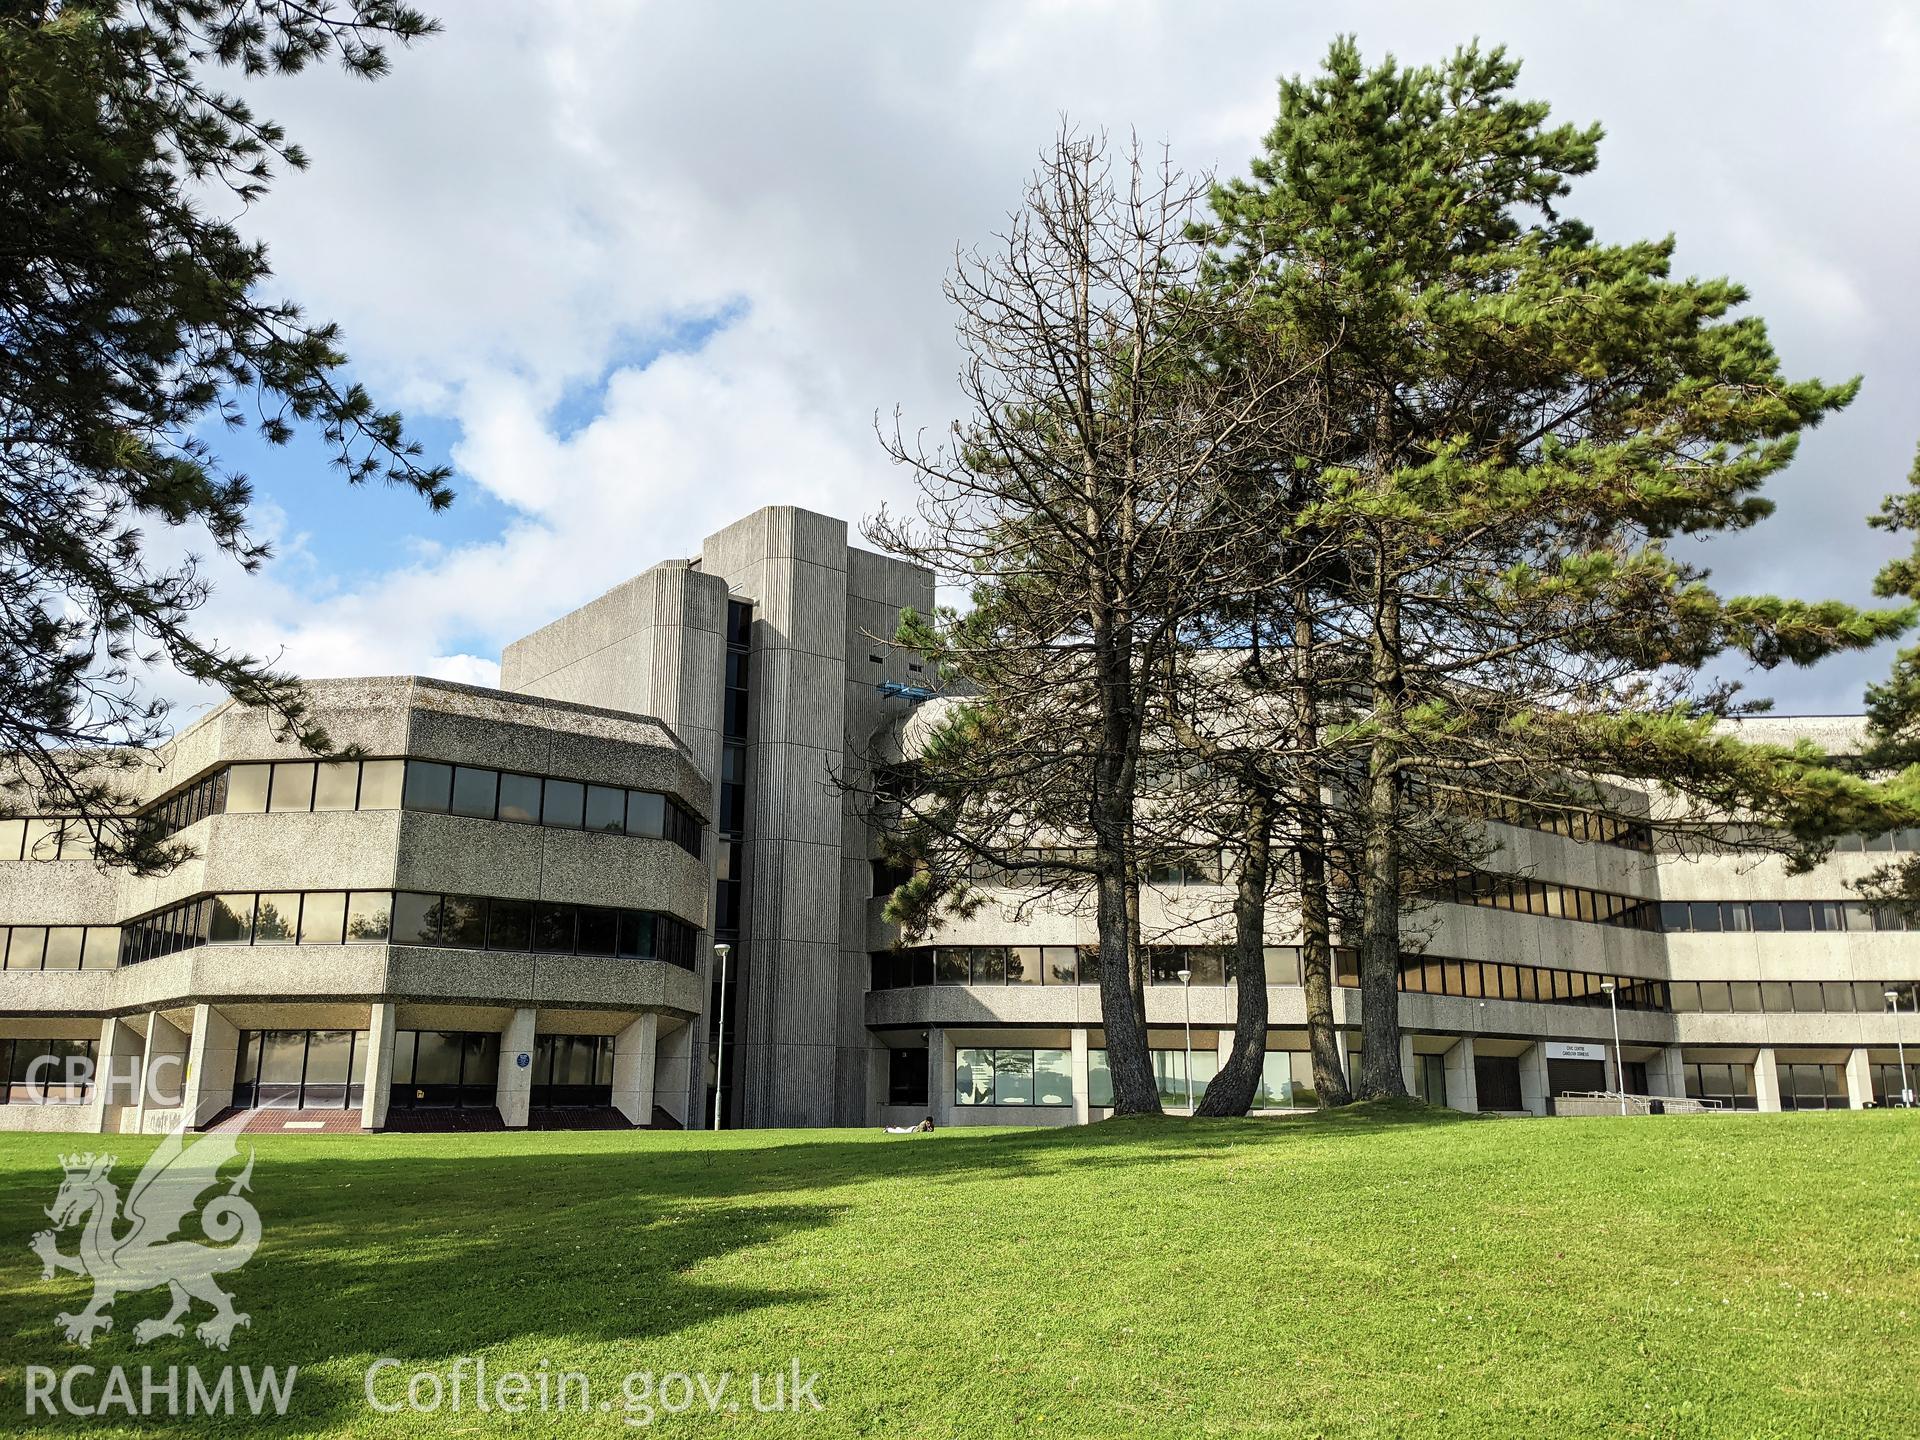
column 435, row 1248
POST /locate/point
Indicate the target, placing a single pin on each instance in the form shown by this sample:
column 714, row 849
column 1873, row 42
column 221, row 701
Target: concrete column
column 1081, row 1083
column 1406, row 1063
column 513, row 1095
column 1463, row 1091
column 376, row 1077
column 1664, row 1075
column 1536, row 1090
column 633, row 1050
column 117, row 1070
column 1859, row 1080
column 163, row 1073
column 213, row 1054
column 1346, row 1059
column 1766, row 1081
column 939, row 1075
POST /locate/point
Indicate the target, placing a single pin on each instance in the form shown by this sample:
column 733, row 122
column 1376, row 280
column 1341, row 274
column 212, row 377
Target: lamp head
column 1893, row 995
column 723, row 950
column 1185, row 976
column 1607, row 985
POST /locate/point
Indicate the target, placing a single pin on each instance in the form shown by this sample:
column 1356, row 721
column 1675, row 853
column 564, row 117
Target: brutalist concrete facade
column 821, row 616
column 748, row 683
column 194, row 1001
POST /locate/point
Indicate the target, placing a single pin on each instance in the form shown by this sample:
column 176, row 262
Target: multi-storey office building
column 504, row 913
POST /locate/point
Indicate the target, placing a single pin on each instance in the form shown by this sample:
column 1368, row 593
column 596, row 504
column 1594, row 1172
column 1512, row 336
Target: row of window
column 304, row 786
column 1791, row 997
column 1559, row 902
column 440, row 1069
column 530, row 800
column 1741, row 916
column 300, row 1069
column 1044, row 1078
column 1596, row 827
column 1534, row 984
column 46, row 1072
column 470, row 922
column 45, row 837
column 59, row 947
column 1213, row 965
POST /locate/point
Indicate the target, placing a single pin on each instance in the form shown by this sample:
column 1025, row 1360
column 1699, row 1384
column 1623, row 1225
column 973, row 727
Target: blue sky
column 635, row 269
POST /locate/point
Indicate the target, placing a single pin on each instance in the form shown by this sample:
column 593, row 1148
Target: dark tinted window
column 429, row 786
column 510, row 925
column 463, row 921
column 473, row 791
column 416, row 918
column 636, row 935
column 606, row 808
column 520, row 798
column 553, row 928
column 596, row 931
column 646, row 813
column 565, row 803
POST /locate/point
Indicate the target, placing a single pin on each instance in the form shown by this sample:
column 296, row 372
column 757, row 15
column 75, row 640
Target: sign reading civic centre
column 1575, row 1050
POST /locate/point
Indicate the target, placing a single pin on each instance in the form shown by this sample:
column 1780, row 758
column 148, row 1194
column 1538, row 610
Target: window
column 1013, row 1077
column 553, row 928
column 1812, row 1087
column 292, row 787
column 232, row 922
column 381, row 784
column 573, row 1070
column 65, row 944
column 247, row 789
column 520, row 799
column 416, row 919
column 463, row 922
column 989, row 965
column 646, row 813
column 510, row 925
column 275, row 919
column 606, row 809
column 368, row 913
column 429, row 787
column 637, row 935
column 337, row 786
column 564, row 804
column 907, row 1077
column 475, row 791
column 597, row 930
column 323, row 919
column 1099, row 1080
column 300, row 1069
column 1024, row 966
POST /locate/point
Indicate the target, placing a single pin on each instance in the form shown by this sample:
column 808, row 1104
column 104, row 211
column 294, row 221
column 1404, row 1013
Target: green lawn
column 1399, row 1272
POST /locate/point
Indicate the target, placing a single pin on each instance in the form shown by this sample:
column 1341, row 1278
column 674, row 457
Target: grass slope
column 1391, row 1272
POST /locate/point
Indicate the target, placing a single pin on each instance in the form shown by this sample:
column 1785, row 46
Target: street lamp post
column 1619, row 1065
column 723, row 950
column 1186, row 991
column 1899, row 1045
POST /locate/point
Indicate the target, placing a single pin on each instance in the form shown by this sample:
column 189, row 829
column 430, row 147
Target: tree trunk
column 1380, row 1074
column 1232, row 1089
column 1310, row 853
column 1122, row 1007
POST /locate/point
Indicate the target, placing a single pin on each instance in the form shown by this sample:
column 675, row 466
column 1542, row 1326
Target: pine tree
column 1518, row 419
column 131, row 317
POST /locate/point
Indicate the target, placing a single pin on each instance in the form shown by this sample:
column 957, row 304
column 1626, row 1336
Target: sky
column 636, row 269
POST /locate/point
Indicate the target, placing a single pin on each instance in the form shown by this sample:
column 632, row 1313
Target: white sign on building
column 1575, row 1050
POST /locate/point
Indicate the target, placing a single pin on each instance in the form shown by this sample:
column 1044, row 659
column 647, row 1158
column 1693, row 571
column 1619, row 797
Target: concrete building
column 504, row 914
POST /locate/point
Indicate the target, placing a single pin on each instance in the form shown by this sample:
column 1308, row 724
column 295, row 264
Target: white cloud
column 537, row 197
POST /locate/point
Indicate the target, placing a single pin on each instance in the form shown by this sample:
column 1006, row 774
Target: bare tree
column 1073, row 502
